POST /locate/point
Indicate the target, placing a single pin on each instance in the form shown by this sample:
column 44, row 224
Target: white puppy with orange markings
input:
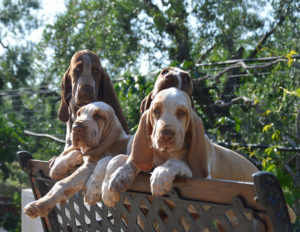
column 171, row 138
column 97, row 136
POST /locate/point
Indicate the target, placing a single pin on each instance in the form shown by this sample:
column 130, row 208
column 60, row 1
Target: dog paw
column 31, row 210
column 122, row 178
column 161, row 181
column 92, row 193
column 52, row 161
column 35, row 209
column 54, row 175
column 118, row 181
column 110, row 198
column 92, row 200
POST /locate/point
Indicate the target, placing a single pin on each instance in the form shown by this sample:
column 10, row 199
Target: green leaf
column 237, row 127
column 187, row 64
column 290, row 57
column 221, row 121
column 298, row 92
column 276, row 135
column 271, row 168
column 265, row 162
column 269, row 150
column 267, row 127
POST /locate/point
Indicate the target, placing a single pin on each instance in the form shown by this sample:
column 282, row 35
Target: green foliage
column 16, row 67
column 16, row 16
column 10, row 138
column 135, row 36
column 130, row 92
column 11, row 197
column 124, row 32
column 11, row 223
column 272, row 121
column 108, row 31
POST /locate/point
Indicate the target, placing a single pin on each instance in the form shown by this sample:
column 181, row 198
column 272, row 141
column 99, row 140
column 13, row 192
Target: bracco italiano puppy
column 170, row 138
column 167, row 78
column 96, row 131
column 85, row 81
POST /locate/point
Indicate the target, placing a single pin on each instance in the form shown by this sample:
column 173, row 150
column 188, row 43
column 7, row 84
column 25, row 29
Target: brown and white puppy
column 171, row 138
column 85, row 81
column 96, row 128
column 167, row 78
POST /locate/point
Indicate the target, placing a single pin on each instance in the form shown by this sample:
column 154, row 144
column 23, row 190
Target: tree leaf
column 267, row 127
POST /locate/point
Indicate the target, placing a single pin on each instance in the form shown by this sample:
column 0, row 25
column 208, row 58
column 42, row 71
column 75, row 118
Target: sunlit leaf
column 290, row 57
column 267, row 127
column 276, row 135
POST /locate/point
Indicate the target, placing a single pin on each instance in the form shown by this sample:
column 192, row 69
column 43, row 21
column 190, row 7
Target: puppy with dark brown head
column 169, row 77
column 85, row 81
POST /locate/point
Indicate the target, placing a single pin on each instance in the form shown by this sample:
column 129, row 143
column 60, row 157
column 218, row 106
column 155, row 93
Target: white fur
column 109, row 196
column 163, row 176
column 92, row 192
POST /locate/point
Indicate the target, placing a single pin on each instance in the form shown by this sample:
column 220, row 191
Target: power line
column 258, row 146
column 16, row 93
column 29, row 88
column 264, row 59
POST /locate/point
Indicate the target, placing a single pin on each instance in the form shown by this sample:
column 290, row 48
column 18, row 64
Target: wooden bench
column 192, row 205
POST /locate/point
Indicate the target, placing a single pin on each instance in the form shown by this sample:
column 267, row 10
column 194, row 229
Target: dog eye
column 164, row 71
column 77, row 69
column 180, row 113
column 156, row 111
column 98, row 117
column 78, row 113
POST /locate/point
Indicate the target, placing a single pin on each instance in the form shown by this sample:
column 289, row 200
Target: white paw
column 41, row 208
column 109, row 197
column 161, row 181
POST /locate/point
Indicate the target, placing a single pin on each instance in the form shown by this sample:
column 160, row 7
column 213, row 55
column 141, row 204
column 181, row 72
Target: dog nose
column 167, row 134
column 86, row 89
column 171, row 77
column 78, row 128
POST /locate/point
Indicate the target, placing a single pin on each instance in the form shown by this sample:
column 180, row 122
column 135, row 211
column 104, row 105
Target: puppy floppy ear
column 146, row 103
column 66, row 93
column 110, row 135
column 106, row 93
column 141, row 151
column 197, row 155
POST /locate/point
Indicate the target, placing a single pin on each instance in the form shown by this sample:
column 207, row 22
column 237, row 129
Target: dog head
column 170, row 125
column 94, row 122
column 169, row 77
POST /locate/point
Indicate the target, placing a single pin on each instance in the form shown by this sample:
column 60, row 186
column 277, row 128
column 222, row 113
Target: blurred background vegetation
column 255, row 101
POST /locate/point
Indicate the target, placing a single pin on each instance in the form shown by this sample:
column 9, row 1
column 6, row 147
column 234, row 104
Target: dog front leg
column 65, row 164
column 162, row 178
column 60, row 192
column 92, row 190
column 119, row 175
